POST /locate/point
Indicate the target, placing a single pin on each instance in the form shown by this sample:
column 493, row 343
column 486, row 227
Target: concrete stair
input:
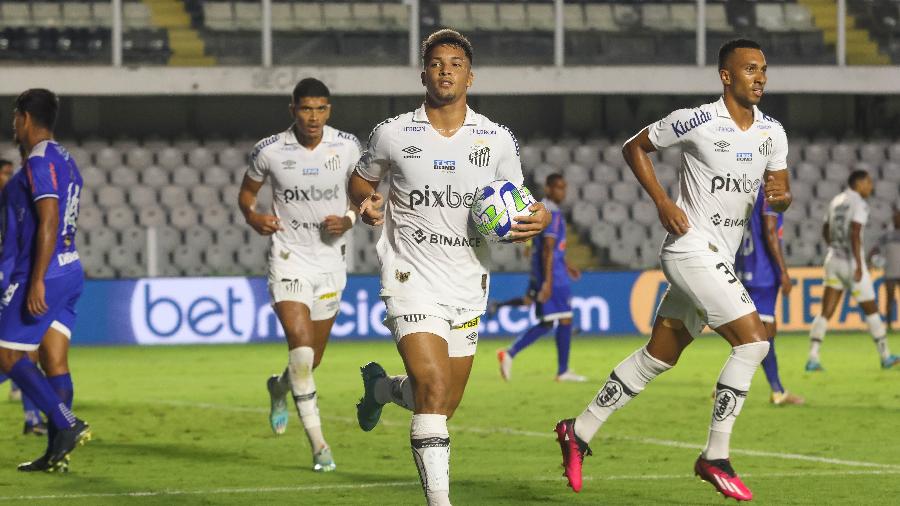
column 861, row 49
column 188, row 48
column 578, row 253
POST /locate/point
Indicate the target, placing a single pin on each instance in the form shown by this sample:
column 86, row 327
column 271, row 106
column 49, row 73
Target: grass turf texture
column 188, row 425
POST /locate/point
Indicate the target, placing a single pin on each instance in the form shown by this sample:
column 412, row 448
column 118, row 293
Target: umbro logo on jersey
column 289, row 164
column 766, row 147
column 333, row 163
column 722, row 146
column 412, row 151
column 480, row 156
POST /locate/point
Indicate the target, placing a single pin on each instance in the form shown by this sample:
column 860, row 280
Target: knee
column 432, row 397
column 8, row 358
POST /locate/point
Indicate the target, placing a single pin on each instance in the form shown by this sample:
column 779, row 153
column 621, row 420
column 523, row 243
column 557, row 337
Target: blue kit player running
column 760, row 266
column 550, row 288
column 37, row 309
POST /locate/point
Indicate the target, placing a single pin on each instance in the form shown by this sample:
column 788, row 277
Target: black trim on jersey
column 511, row 134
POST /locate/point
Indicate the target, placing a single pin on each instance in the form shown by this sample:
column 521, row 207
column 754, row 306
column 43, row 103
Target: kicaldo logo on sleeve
column 184, row 311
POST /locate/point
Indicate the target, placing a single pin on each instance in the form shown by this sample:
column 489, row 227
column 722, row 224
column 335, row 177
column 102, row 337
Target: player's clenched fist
column 530, row 225
column 337, row 225
column 777, row 194
column 673, row 218
column 264, row 224
column 370, row 210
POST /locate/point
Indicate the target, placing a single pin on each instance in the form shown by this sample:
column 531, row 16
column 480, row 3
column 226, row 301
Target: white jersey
column 721, row 172
column 429, row 248
column 845, row 208
column 890, row 249
column 307, row 186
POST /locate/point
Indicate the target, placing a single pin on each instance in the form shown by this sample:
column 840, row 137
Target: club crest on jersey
column 480, row 155
column 765, row 148
column 333, row 163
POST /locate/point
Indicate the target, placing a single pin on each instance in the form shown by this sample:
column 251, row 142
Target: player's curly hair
column 448, row 37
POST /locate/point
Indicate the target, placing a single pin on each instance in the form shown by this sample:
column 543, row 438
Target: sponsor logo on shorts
column 421, row 236
column 291, row 285
column 412, row 151
column 329, row 295
column 473, row 323
column 609, row 394
column 725, row 404
column 8, row 294
column 766, row 147
column 402, row 277
column 734, row 184
column 473, row 338
column 445, row 197
column 722, row 146
column 414, row 318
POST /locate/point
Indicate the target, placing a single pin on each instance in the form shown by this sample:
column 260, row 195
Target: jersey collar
column 472, row 117
column 290, row 137
column 40, row 148
column 722, row 111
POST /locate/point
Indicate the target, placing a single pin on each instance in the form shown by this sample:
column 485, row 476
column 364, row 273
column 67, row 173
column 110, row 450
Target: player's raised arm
column 636, row 152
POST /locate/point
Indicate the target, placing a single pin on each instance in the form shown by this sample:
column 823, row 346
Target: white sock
column 300, row 363
column 816, row 336
column 430, row 443
column 625, row 381
column 731, row 391
column 396, row 389
column 879, row 334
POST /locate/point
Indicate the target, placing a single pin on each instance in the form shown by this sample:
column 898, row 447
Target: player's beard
column 444, row 97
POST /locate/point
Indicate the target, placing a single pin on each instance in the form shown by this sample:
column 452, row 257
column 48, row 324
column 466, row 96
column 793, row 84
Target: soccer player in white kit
column 889, row 249
column 729, row 148
column 845, row 269
column 434, row 273
column 308, row 166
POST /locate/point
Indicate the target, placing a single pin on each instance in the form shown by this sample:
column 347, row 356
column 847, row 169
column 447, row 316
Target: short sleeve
column 259, row 162
column 42, row 180
column 375, row 161
column 670, row 130
column 509, row 165
column 860, row 212
column 556, row 225
column 354, row 152
column 777, row 160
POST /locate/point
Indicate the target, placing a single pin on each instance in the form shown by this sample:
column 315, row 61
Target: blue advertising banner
column 162, row 311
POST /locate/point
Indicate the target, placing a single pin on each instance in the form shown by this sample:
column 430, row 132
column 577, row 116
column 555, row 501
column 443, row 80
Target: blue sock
column 32, row 413
column 527, row 338
column 770, row 366
column 563, row 343
column 63, row 387
column 35, row 385
column 3, row 377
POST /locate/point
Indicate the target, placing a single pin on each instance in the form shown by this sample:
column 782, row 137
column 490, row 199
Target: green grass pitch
column 188, row 425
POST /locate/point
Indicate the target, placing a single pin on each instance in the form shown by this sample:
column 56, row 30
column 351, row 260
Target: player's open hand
column 786, row 284
column 530, row 225
column 264, row 224
column 370, row 210
column 777, row 194
column 36, row 303
column 545, row 292
column 337, row 225
column 574, row 273
column 673, row 218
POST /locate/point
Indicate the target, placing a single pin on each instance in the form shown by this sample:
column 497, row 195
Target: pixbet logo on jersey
column 311, row 194
column 445, row 198
column 732, row 184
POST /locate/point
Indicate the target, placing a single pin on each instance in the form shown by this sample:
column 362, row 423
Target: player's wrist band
column 352, row 215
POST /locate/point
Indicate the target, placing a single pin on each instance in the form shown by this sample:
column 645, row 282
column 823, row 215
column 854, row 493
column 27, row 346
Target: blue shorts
column 557, row 307
column 20, row 330
column 764, row 298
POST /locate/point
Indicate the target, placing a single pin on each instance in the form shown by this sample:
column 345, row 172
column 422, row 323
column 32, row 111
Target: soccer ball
column 496, row 205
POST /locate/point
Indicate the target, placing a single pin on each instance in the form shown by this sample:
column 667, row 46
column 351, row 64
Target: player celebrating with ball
column 729, row 150
column 434, row 275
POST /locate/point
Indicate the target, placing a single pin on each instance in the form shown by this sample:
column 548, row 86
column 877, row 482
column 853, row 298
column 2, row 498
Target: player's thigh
column 321, row 332
column 427, row 363
column 863, row 291
column 54, row 350
column 830, row 299
column 326, row 303
column 297, row 324
column 460, row 368
column 668, row 339
column 744, row 330
column 771, row 329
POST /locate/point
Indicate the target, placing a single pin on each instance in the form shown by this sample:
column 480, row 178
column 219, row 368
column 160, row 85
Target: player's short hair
column 41, row 104
column 856, row 176
column 448, row 37
column 310, row 87
column 732, row 45
column 553, row 178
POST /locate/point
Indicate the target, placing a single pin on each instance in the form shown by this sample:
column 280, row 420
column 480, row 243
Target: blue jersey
column 8, row 230
column 754, row 263
column 557, row 230
column 50, row 172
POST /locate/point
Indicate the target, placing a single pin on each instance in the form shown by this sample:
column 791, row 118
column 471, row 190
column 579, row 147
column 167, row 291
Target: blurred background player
column 845, row 269
column 705, row 227
column 434, row 293
column 33, row 424
column 888, row 249
column 761, row 268
column 307, row 165
column 46, row 280
column 550, row 288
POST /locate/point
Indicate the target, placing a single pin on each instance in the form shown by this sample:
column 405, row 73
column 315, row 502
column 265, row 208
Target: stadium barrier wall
column 163, row 311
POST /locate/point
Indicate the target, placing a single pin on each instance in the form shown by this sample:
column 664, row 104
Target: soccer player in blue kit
column 550, row 288
column 760, row 266
column 37, row 310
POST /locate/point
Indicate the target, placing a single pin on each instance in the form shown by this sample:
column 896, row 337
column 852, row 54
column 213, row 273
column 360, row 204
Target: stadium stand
column 186, row 192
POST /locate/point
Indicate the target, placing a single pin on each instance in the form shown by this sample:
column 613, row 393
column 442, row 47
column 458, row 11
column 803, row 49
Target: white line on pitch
column 398, row 484
column 548, row 434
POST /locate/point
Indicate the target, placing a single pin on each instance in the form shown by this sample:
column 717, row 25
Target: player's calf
column 303, row 387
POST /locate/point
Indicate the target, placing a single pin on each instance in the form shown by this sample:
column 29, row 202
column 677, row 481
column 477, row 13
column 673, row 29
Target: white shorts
column 321, row 293
column 839, row 275
column 703, row 290
column 457, row 326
